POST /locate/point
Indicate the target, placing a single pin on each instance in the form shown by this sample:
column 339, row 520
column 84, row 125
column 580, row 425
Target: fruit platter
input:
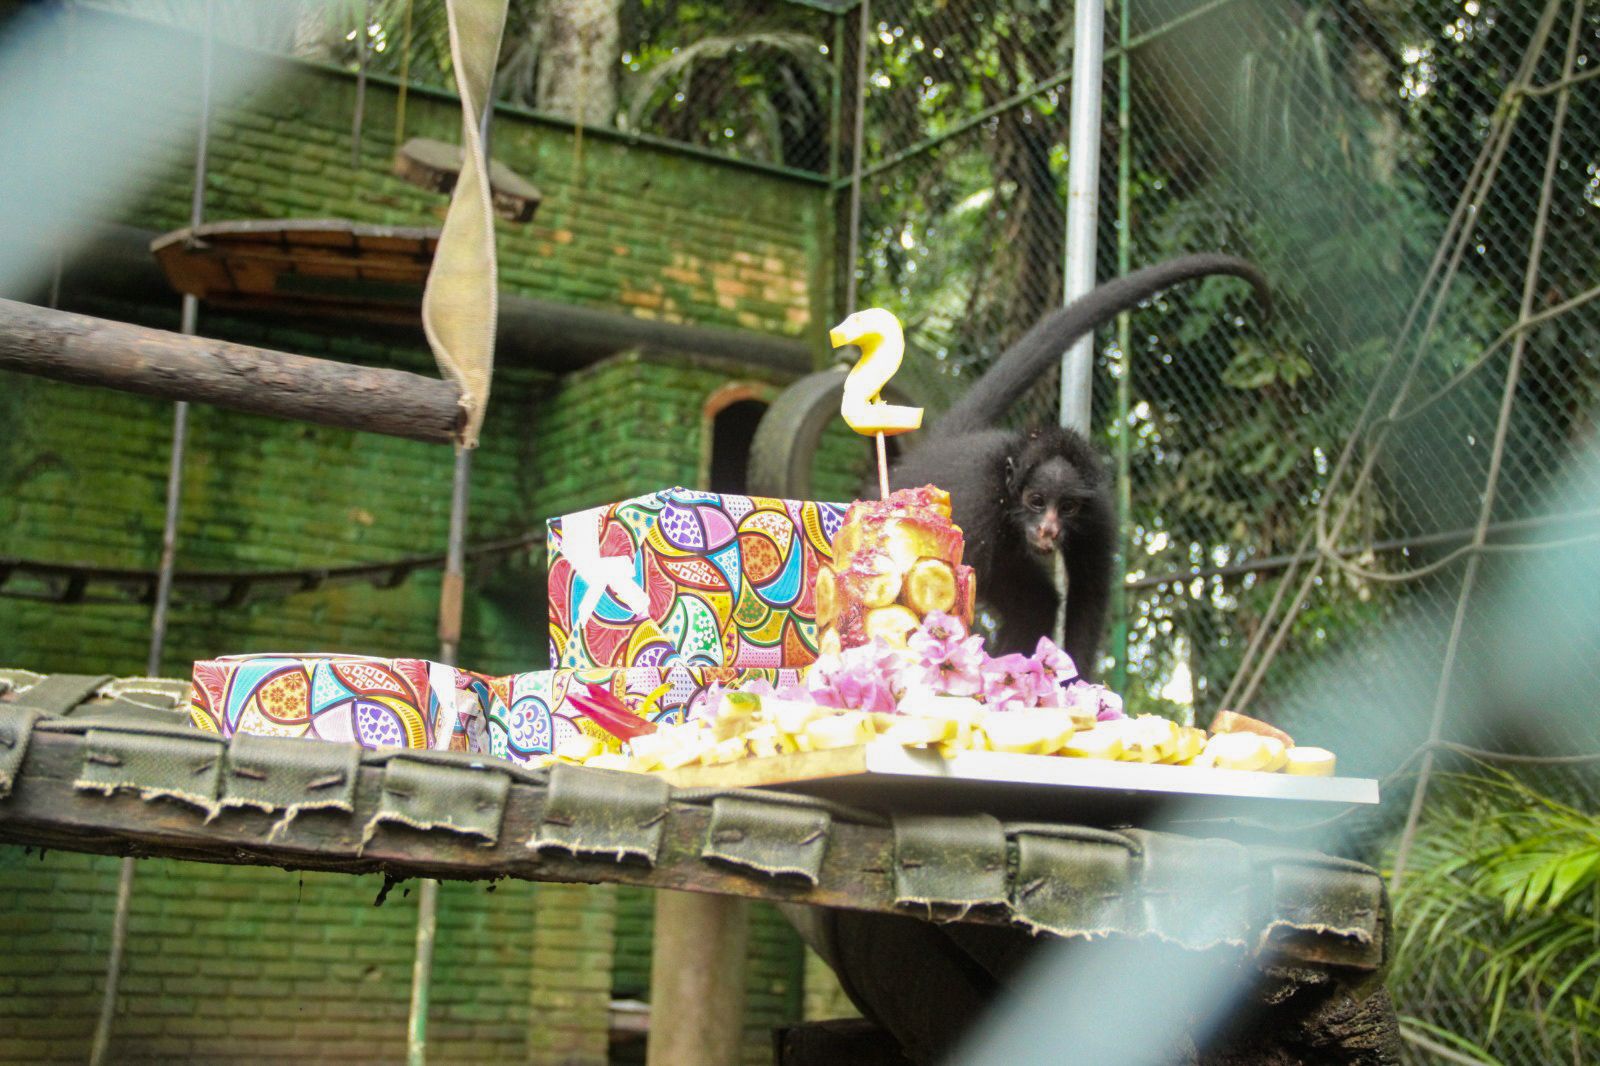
column 905, row 700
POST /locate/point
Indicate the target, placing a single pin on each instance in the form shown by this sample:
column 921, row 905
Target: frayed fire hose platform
column 86, row 766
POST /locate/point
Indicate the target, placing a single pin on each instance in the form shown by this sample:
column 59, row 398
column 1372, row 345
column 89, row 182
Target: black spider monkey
column 1022, row 495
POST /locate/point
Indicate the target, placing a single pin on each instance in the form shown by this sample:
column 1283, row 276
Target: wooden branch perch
column 152, row 362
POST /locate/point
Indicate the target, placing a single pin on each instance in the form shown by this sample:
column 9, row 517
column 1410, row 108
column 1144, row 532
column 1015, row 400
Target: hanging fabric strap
column 460, row 303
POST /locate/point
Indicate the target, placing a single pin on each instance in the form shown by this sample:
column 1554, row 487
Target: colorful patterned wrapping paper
column 729, row 581
column 530, row 716
column 404, row 703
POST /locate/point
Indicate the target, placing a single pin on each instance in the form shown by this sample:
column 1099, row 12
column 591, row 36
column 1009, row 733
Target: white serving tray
column 887, row 776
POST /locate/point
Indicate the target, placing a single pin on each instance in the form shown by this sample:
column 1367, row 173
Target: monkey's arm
column 1090, row 561
column 1025, row 596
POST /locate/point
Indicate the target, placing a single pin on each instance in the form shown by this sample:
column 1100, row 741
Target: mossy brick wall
column 657, row 232
column 263, row 965
column 643, row 416
column 654, row 232
column 82, row 480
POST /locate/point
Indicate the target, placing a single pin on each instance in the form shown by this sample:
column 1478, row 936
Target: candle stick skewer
column 883, row 466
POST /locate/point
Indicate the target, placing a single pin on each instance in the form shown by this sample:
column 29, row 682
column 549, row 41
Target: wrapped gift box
column 530, row 715
column 696, row 578
column 402, row 703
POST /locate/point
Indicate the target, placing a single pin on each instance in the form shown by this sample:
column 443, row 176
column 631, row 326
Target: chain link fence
column 1378, row 456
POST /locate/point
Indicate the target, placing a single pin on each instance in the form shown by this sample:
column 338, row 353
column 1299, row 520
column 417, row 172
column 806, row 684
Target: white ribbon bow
column 580, row 541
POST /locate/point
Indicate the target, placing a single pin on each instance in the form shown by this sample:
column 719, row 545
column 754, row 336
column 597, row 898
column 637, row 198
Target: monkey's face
column 1047, row 498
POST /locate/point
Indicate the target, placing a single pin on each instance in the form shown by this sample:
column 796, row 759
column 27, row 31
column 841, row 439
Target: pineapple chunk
column 909, row 731
column 579, row 748
column 839, row 730
column 792, row 716
column 1028, row 732
column 1096, row 743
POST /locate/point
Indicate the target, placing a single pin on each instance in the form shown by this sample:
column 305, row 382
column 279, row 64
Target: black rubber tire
column 785, row 445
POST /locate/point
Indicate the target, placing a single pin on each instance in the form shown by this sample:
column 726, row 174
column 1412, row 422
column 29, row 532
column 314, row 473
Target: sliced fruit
column 1234, row 722
column 905, row 540
column 826, row 596
column 1191, row 742
column 610, row 760
column 766, row 741
column 1310, row 762
column 828, row 643
column 1036, row 732
column 1241, row 751
column 840, row 730
column 931, row 586
column 893, row 624
column 725, row 751
column 792, row 716
column 908, row 731
column 1097, row 743
column 579, row 748
column 879, row 589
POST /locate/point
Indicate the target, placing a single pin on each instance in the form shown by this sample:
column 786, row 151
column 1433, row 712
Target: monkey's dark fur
column 1022, row 495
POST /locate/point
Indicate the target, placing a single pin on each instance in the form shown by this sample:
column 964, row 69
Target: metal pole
column 454, row 580
column 450, row 596
column 359, row 118
column 1119, row 592
column 855, row 162
column 1083, row 200
column 180, row 410
column 119, row 941
column 421, row 973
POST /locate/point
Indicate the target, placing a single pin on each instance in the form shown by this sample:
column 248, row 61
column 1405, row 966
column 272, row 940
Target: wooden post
column 153, row 362
column 697, row 980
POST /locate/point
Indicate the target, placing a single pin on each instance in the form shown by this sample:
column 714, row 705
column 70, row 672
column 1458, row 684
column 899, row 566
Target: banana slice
column 827, row 597
column 879, row 589
column 893, row 624
column 962, row 713
column 1310, row 762
column 931, row 586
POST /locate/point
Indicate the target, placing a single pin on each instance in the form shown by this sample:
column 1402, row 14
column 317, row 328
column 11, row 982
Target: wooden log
column 152, row 362
column 697, row 982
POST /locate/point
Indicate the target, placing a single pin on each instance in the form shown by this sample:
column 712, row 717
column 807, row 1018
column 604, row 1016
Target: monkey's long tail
column 1019, row 366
